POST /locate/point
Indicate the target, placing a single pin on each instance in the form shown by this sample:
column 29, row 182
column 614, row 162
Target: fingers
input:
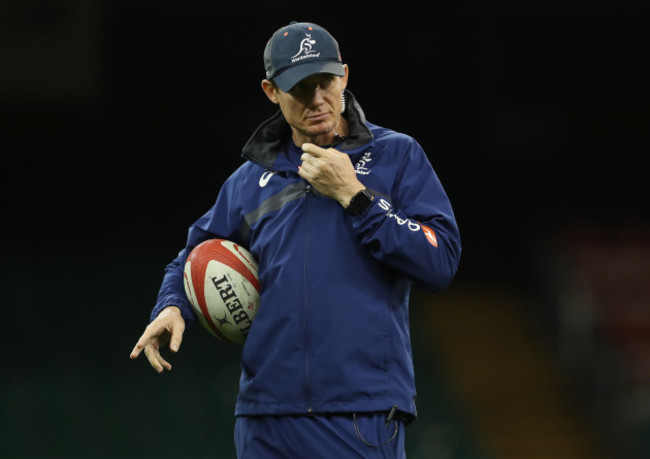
column 151, row 332
column 157, row 362
column 169, row 325
column 309, row 167
column 307, row 159
column 314, row 158
column 313, row 149
column 152, row 353
column 136, row 351
column 309, row 164
column 139, row 346
column 330, row 172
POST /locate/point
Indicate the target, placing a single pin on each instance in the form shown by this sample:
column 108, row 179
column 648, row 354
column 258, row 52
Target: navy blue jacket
column 332, row 332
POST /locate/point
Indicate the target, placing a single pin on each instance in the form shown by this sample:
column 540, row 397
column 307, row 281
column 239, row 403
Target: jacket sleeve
column 413, row 230
column 218, row 222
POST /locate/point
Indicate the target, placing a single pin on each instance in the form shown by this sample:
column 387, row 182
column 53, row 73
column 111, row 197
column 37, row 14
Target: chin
column 320, row 129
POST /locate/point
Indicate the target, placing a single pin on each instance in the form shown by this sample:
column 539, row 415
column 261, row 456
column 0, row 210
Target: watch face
column 359, row 202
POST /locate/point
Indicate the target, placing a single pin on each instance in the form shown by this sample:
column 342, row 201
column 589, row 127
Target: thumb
column 176, row 338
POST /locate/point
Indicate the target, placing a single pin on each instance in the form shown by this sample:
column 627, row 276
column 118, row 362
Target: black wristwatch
column 360, row 202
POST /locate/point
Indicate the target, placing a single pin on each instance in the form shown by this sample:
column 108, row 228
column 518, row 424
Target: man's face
column 313, row 106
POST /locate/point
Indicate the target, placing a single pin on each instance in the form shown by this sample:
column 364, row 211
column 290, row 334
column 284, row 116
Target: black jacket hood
column 270, row 138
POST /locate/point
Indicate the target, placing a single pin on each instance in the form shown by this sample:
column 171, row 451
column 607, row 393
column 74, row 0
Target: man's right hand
column 168, row 326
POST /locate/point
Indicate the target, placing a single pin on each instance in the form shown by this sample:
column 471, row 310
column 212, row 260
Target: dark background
column 120, row 120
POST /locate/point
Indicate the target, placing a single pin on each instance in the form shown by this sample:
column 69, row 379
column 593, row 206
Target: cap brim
column 290, row 77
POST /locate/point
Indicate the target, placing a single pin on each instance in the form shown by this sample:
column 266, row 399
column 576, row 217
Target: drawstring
column 389, row 419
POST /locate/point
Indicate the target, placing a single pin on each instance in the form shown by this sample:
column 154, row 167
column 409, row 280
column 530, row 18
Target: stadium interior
column 120, row 120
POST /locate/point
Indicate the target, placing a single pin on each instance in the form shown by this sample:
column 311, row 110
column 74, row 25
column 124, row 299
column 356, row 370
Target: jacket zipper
column 305, row 308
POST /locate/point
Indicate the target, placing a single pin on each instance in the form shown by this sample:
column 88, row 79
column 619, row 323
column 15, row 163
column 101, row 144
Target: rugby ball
column 222, row 285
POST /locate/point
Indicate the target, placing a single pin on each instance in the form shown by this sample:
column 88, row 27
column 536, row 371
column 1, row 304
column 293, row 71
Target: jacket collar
column 270, row 138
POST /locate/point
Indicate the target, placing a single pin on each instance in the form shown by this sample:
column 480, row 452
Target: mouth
column 318, row 117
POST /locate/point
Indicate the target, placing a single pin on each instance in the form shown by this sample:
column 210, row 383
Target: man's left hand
column 330, row 172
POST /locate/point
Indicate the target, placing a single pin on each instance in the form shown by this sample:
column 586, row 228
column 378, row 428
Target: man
column 342, row 216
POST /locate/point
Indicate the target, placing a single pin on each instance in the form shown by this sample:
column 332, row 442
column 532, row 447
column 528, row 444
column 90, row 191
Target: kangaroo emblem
column 360, row 167
column 305, row 46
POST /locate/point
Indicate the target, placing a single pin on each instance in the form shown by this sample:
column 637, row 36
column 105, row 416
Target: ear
column 344, row 78
column 271, row 91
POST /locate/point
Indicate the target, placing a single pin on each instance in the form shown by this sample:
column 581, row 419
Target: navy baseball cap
column 299, row 50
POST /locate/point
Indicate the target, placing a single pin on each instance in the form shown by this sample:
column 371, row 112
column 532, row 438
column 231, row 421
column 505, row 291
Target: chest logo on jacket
column 360, row 167
column 266, row 176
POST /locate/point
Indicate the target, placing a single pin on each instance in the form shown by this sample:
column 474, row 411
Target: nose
column 317, row 95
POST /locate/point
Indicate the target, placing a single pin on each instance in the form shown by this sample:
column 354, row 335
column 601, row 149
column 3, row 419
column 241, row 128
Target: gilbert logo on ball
column 222, row 285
